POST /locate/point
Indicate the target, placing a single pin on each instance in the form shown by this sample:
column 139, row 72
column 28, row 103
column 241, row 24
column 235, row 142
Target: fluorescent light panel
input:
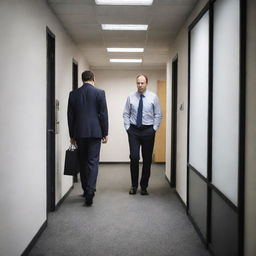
column 125, row 49
column 124, row 2
column 123, row 27
column 126, row 60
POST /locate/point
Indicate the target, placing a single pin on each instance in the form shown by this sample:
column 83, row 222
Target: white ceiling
column 82, row 19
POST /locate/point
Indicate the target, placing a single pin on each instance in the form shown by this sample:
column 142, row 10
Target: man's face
column 141, row 84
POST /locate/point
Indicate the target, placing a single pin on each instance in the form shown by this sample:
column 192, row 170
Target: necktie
column 139, row 114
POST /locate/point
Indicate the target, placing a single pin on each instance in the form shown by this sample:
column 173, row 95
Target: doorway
column 75, row 86
column 50, row 129
column 74, row 74
column 174, row 120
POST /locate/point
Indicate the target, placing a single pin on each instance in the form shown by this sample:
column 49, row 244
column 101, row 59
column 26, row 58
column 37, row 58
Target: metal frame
column 239, row 209
column 174, row 123
column 50, row 177
column 74, row 86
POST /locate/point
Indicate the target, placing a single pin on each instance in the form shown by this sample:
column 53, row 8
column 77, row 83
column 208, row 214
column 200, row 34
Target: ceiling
column 82, row 20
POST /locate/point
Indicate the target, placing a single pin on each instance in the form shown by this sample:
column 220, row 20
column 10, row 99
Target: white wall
column 23, row 118
column 250, row 150
column 180, row 48
column 117, row 85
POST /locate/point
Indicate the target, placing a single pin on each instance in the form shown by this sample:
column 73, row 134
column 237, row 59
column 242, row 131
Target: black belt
column 142, row 127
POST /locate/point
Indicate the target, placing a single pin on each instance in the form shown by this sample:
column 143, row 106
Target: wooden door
column 160, row 140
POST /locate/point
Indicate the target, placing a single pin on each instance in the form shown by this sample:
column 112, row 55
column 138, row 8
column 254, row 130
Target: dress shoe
column 133, row 191
column 144, row 192
column 89, row 200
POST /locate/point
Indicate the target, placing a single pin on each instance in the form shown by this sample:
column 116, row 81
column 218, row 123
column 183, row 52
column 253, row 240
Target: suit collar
column 86, row 84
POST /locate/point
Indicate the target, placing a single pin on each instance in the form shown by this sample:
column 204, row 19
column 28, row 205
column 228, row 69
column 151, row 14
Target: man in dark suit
column 88, row 126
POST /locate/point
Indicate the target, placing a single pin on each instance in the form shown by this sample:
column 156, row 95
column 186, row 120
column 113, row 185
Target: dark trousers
column 88, row 154
column 143, row 137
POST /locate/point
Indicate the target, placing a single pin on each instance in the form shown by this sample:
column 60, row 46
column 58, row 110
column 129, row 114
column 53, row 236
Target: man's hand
column 105, row 140
column 72, row 141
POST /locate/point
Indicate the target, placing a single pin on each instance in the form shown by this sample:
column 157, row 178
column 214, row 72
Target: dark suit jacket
column 87, row 113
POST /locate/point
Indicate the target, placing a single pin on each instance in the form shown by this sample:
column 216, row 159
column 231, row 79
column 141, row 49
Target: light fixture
column 125, row 49
column 126, row 60
column 124, row 2
column 123, row 27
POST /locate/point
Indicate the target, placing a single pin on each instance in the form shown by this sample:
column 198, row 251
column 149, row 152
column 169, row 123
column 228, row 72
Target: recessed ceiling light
column 124, row 2
column 123, row 27
column 126, row 60
column 125, row 49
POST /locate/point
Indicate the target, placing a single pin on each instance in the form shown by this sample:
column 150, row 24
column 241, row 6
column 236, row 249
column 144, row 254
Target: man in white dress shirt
column 142, row 116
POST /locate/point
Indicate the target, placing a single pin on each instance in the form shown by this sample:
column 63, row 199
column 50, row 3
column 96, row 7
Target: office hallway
column 119, row 223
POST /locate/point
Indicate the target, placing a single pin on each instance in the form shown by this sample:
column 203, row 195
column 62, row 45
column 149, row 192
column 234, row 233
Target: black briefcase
column 71, row 166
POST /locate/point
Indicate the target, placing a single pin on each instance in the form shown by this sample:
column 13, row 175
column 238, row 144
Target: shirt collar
column 144, row 93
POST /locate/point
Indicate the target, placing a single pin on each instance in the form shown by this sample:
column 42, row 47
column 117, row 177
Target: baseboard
column 63, row 198
column 34, row 240
column 160, row 163
column 177, row 194
column 43, row 227
column 210, row 249
column 114, row 162
column 168, row 181
column 180, row 199
column 203, row 239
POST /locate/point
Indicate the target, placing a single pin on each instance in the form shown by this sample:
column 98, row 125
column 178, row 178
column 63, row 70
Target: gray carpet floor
column 119, row 224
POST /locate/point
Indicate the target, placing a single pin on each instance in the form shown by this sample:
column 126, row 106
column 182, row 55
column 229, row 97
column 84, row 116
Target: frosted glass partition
column 198, row 124
column 226, row 98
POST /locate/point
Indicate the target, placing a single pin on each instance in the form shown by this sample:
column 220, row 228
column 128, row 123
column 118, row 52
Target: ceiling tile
column 72, row 8
column 88, row 2
column 82, row 20
column 123, row 14
column 78, row 19
column 175, row 2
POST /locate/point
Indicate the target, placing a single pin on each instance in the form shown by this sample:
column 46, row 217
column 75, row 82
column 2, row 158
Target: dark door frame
column 74, row 86
column 174, row 120
column 74, row 74
column 50, row 126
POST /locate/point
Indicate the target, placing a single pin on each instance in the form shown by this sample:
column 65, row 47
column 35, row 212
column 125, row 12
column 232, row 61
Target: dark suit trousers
column 88, row 153
column 141, row 137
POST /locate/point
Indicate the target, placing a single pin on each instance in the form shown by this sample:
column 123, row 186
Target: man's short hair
column 87, row 76
column 142, row 75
